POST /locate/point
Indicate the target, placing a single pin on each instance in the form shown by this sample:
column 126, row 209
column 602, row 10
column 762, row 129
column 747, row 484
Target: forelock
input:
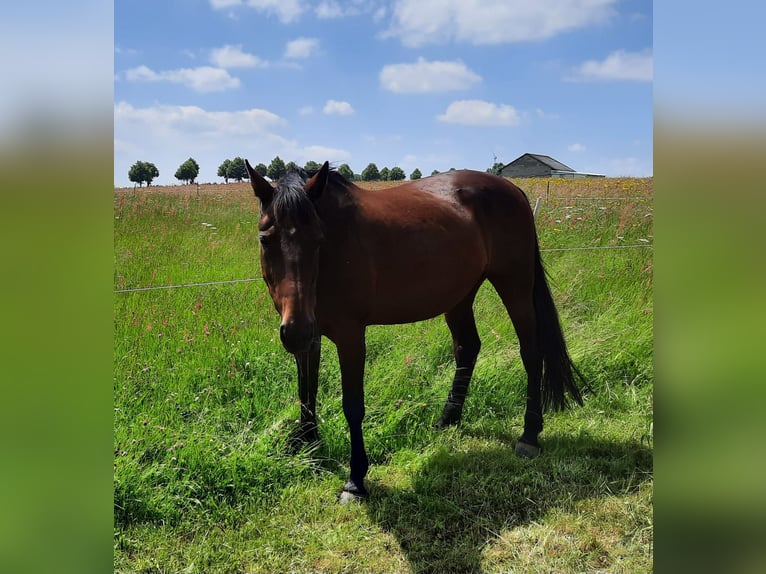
column 290, row 201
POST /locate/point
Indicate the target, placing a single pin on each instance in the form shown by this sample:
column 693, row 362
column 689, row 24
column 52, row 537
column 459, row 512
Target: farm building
column 537, row 165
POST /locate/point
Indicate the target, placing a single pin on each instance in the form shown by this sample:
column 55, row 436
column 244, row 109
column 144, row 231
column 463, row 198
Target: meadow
column 205, row 398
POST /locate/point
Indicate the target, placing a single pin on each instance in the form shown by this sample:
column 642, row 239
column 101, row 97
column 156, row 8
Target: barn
column 538, row 165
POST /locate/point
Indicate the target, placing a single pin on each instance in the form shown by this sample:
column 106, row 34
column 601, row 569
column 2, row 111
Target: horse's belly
column 415, row 291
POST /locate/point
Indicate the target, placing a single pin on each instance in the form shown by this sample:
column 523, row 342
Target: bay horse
column 337, row 258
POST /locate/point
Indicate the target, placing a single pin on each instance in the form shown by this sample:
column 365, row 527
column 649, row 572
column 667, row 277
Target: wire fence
column 535, row 209
column 204, row 284
column 251, row 279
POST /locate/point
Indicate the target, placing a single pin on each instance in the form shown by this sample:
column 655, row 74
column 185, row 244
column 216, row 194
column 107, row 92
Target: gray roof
column 547, row 160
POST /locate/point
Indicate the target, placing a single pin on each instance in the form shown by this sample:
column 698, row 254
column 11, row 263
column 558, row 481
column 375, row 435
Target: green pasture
column 205, row 398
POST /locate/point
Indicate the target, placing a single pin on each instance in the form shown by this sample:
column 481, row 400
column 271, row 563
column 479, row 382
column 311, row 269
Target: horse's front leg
column 308, row 379
column 351, row 355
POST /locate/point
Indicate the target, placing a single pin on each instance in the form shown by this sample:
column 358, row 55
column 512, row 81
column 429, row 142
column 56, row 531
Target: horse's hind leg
column 466, row 345
column 516, row 295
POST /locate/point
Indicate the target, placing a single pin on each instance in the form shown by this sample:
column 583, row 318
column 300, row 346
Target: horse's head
column 290, row 233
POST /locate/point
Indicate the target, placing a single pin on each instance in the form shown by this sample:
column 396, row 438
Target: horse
column 337, row 258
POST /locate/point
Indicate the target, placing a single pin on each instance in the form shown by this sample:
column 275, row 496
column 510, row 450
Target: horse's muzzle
column 297, row 336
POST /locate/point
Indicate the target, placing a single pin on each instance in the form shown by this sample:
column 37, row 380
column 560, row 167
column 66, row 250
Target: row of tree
column 235, row 169
column 145, row 172
column 277, row 168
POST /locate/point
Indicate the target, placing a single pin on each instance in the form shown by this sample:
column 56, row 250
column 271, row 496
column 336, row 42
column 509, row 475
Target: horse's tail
column 559, row 373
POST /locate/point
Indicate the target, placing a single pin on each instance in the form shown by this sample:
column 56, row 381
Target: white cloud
column 576, row 147
column 202, row 79
column 306, row 110
column 301, row 48
column 619, row 65
column 167, row 135
column 195, row 121
column 220, row 4
column 329, row 9
column 334, row 107
column 420, row 22
column 285, row 10
column 125, row 51
column 424, row 77
column 332, row 9
column 480, row 113
column 233, row 57
column 543, row 115
column 321, row 154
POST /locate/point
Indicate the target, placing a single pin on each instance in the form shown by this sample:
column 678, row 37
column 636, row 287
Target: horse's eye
column 266, row 238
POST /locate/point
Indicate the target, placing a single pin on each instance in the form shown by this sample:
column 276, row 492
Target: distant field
column 205, row 397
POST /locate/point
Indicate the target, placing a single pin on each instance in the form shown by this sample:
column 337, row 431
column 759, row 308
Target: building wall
column 526, row 167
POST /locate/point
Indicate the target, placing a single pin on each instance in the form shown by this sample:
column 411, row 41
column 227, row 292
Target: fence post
column 534, row 211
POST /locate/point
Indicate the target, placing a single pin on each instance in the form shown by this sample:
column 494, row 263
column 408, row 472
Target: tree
column 188, row 171
column 397, row 174
column 261, row 169
column 312, row 166
column 416, row 174
column 435, row 172
column 291, row 166
column 143, row 171
column 223, row 170
column 496, row 168
column 385, row 174
column 237, row 169
column 276, row 169
column 370, row 173
column 346, row 171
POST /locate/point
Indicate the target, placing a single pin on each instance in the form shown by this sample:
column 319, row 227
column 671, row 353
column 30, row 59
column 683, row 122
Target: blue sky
column 428, row 84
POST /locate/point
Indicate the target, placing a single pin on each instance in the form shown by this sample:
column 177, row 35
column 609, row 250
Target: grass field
column 205, row 398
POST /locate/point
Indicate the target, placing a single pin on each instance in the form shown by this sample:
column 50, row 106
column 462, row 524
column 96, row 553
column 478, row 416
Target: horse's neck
column 337, row 209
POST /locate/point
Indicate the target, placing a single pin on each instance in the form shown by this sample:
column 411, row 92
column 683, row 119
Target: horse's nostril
column 297, row 336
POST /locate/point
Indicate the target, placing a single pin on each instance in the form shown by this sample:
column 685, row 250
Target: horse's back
column 499, row 209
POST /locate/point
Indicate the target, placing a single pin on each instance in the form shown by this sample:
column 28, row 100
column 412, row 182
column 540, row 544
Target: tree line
column 145, row 172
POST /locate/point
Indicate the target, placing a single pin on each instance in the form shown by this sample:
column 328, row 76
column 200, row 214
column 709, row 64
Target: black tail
column 559, row 373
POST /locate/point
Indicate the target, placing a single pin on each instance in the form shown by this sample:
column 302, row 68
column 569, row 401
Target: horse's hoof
column 450, row 417
column 352, row 493
column 525, row 450
column 348, row 497
column 302, row 438
column 443, row 423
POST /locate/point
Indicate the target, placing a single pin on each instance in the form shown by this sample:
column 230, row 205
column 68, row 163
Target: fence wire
column 232, row 281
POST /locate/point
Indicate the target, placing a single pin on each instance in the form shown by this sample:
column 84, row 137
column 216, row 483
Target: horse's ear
column 315, row 186
column 261, row 187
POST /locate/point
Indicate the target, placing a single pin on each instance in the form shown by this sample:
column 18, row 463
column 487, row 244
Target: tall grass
column 205, row 398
